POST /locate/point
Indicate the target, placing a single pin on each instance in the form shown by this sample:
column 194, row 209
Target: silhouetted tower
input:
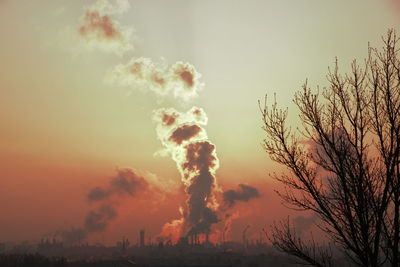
column 142, row 238
column 244, row 236
column 124, row 244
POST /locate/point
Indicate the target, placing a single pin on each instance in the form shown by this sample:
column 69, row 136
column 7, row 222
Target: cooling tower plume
column 99, row 29
column 181, row 79
column 186, row 141
column 243, row 193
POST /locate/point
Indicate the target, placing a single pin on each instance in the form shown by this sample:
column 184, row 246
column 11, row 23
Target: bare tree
column 347, row 171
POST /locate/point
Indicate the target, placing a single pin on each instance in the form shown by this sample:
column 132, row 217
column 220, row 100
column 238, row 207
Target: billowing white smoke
column 180, row 79
column 195, row 156
column 181, row 133
column 99, row 30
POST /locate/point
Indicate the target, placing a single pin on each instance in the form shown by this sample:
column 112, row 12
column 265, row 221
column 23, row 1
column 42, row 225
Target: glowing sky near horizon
column 65, row 128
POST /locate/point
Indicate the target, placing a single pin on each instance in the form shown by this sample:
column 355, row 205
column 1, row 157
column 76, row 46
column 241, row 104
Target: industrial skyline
column 136, row 122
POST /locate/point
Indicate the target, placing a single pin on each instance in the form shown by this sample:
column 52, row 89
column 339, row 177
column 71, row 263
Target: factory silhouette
column 192, row 250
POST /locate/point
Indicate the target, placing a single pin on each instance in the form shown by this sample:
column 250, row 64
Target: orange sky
column 65, row 127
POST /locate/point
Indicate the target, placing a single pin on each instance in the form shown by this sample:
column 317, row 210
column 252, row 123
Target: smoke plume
column 181, row 134
column 126, row 183
column 244, row 193
column 98, row 220
column 227, row 225
column 171, row 231
column 99, row 30
column 180, row 79
column 187, row 143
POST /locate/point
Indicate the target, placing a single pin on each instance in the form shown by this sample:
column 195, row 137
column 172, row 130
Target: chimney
column 142, row 244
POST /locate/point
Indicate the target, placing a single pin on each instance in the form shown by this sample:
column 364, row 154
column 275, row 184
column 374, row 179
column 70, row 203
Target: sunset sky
column 69, row 124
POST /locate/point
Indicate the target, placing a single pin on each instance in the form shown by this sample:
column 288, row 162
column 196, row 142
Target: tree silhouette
column 347, row 171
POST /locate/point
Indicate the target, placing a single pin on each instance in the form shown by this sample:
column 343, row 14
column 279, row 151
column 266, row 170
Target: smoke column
column 227, row 225
column 181, row 134
column 186, row 141
column 125, row 183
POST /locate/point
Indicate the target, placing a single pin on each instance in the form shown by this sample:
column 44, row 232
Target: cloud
column 244, row 193
column 99, row 30
column 180, row 79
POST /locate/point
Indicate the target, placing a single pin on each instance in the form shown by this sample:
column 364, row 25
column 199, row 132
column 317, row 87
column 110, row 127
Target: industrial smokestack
column 244, row 236
column 142, row 237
